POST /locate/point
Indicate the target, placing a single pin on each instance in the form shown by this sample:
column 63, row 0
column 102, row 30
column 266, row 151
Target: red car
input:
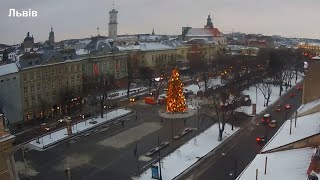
column 288, row 106
column 265, row 119
column 292, row 94
column 300, row 87
column 278, row 108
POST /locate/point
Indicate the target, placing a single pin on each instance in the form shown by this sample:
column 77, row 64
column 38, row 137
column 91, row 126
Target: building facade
column 209, row 32
column 10, row 94
column 311, row 86
column 48, row 81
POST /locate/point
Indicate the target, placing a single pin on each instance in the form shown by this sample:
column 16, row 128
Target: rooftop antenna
column 98, row 31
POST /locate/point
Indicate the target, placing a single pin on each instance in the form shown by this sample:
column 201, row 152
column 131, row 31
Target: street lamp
column 198, row 116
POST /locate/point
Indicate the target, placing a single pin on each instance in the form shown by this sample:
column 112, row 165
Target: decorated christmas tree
column 176, row 102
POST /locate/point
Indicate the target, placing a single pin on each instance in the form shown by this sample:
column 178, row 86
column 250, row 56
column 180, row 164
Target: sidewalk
column 61, row 134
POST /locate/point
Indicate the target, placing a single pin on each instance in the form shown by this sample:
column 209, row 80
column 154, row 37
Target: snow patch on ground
column 61, row 134
column 189, row 153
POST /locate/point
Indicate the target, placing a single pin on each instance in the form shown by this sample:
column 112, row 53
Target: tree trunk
column 220, row 135
column 101, row 109
column 128, row 89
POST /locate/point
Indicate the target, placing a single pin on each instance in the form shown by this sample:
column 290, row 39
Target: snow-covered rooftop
column 8, row 69
column 306, row 107
column 306, row 126
column 291, row 164
column 82, row 52
column 145, row 47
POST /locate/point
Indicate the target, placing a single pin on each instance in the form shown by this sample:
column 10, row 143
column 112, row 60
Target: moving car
column 273, row 123
column 288, row 106
column 261, row 139
column 278, row 108
column 300, row 87
column 292, row 94
column 266, row 118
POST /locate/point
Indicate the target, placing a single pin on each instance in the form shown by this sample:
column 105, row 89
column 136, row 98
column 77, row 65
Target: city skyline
column 289, row 18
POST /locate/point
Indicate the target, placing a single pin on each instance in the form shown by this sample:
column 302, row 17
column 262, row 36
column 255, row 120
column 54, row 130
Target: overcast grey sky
column 80, row 18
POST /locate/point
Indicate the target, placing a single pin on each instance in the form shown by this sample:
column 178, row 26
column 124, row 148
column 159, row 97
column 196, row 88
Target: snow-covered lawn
column 211, row 82
column 257, row 97
column 61, row 134
column 189, row 153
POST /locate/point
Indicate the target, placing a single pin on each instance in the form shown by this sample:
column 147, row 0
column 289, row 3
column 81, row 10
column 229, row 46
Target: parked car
column 288, row 106
column 273, row 123
column 266, row 118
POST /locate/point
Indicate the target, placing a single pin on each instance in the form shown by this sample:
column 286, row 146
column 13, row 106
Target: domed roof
column 28, row 38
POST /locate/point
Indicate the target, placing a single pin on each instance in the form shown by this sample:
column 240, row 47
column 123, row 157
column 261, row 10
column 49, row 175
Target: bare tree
column 105, row 82
column 147, row 74
column 223, row 105
column 266, row 90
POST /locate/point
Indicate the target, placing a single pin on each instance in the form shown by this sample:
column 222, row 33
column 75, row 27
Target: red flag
column 95, row 69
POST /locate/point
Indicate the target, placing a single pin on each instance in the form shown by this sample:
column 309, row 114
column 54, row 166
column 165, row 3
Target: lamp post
column 159, row 160
column 198, row 116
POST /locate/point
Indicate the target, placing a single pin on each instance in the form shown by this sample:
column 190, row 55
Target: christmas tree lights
column 176, row 102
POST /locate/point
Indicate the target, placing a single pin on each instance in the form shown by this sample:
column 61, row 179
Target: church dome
column 28, row 38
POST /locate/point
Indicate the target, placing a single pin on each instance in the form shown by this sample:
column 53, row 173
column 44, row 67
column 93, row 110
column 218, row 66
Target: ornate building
column 28, row 42
column 209, row 32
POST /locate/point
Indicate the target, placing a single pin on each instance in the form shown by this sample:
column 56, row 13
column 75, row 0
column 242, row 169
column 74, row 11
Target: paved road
column 108, row 152
column 234, row 156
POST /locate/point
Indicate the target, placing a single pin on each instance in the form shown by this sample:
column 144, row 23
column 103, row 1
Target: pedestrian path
column 59, row 135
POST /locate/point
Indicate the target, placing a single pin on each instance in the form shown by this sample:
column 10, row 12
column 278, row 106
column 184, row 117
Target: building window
column 66, row 82
column 45, row 87
column 59, row 71
column 26, row 103
column 72, row 79
column 66, row 69
column 78, row 67
column 52, row 98
column 33, row 101
column 31, row 88
column 78, row 78
column 25, row 78
column 72, row 69
column 52, row 86
column 60, row 83
column 52, row 72
column 38, row 75
column 152, row 57
column 8, row 79
column 26, row 90
column 31, row 76
column 45, row 74
column 14, row 78
column 39, row 87
column 1, row 80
